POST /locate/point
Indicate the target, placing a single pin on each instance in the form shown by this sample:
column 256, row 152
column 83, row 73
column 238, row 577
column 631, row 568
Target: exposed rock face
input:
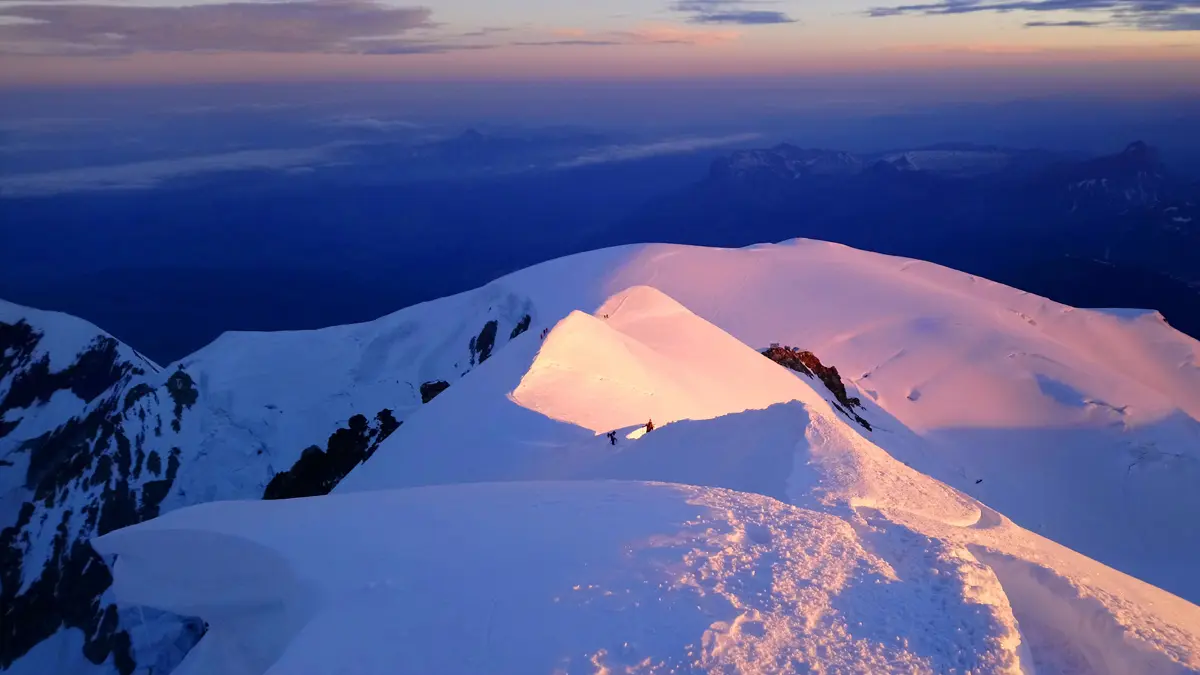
column 521, row 327
column 33, row 382
column 481, row 345
column 183, row 394
column 430, row 390
column 318, row 470
column 85, row 476
column 807, row 363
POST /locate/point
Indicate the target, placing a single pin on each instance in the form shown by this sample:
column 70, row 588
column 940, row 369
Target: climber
column 612, row 437
column 649, row 426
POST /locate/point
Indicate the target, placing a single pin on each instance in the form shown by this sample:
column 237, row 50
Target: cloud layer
column 651, row 35
column 313, row 27
column 149, row 174
column 334, row 26
column 1182, row 15
column 1063, row 24
column 678, row 146
column 740, row 12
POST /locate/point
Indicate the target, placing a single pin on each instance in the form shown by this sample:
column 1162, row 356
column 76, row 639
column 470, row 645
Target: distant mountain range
column 169, row 269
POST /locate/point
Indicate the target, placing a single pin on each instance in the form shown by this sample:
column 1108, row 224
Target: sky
column 96, row 42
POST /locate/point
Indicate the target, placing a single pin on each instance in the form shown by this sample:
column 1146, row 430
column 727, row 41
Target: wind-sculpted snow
column 553, row 577
column 646, row 357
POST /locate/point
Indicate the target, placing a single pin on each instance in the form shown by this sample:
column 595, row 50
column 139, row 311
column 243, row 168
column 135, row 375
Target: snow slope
column 993, row 379
column 974, row 380
column 291, row 389
column 777, row 537
column 541, row 578
column 540, row 409
column 1030, row 406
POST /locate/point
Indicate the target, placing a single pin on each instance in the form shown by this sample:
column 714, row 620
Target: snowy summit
column 650, row 459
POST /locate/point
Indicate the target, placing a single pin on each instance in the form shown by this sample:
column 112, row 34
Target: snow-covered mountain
column 846, row 515
column 93, row 437
column 1131, row 179
column 1117, row 230
column 786, row 162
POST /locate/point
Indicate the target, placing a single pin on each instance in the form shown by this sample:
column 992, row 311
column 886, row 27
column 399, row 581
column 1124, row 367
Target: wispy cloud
column 486, row 31
column 567, row 43
column 1173, row 21
column 1165, row 15
column 289, row 26
column 149, row 174
column 364, row 123
column 628, row 153
column 686, row 36
column 647, row 35
column 741, row 12
column 1064, row 24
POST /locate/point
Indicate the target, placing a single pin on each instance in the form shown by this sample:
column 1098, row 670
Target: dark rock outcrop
column 430, row 390
column 319, row 470
column 482, row 344
column 91, row 375
column 807, row 363
column 521, row 327
column 93, row 372
column 184, row 394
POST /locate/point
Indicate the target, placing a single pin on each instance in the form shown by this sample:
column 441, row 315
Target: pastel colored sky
column 109, row 41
